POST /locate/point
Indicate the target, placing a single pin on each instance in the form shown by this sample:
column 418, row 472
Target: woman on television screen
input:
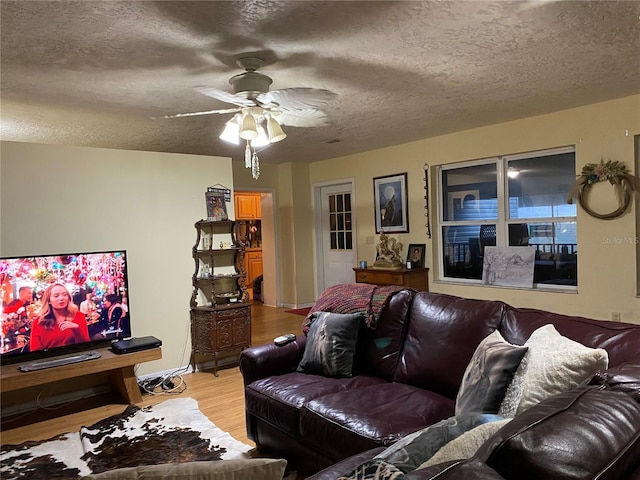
column 59, row 322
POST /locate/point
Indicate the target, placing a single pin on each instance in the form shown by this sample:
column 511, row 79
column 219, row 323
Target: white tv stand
column 120, row 369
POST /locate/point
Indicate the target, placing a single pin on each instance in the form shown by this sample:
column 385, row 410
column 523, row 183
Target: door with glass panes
column 337, row 235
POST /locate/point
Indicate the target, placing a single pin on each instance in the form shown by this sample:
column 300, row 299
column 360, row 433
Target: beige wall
column 156, row 197
column 607, row 252
column 294, row 226
column 58, row 199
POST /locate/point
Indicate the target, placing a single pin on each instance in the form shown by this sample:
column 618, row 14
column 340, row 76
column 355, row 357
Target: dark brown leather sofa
column 407, row 372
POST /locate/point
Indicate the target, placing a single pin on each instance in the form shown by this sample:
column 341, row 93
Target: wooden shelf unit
column 220, row 311
column 120, row 368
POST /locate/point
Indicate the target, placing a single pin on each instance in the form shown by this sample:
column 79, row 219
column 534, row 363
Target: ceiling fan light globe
column 261, row 140
column 231, row 132
column 275, row 130
column 249, row 130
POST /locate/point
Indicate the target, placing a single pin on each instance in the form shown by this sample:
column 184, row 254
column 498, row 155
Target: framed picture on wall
column 391, row 203
column 415, row 255
column 216, row 204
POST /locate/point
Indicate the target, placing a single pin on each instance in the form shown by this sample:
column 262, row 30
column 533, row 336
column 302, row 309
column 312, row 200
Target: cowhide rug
column 172, row 431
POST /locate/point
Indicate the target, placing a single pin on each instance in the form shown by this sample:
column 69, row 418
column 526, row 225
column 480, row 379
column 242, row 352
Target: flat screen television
column 54, row 304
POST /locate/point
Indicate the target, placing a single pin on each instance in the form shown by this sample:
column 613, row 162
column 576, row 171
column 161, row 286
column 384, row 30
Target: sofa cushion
column 331, row 344
column 443, row 333
column 583, row 433
column 278, row 399
column 245, row 469
column 344, row 423
column 411, row 451
column 620, row 340
column 488, row 375
column 553, row 364
column 378, row 350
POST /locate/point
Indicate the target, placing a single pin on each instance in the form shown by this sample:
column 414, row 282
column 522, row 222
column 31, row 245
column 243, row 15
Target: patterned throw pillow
column 553, row 364
column 331, row 344
column 374, row 470
column 414, row 449
column 488, row 375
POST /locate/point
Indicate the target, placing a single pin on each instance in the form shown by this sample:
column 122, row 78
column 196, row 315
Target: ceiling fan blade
column 303, row 118
column 208, row 112
column 226, row 96
column 292, row 99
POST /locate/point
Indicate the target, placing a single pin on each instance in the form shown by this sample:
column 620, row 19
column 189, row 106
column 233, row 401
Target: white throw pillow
column 466, row 445
column 553, row 364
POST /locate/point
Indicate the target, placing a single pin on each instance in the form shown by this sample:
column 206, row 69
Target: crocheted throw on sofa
column 363, row 298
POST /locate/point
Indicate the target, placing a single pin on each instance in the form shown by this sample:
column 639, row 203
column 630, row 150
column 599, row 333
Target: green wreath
column 624, row 183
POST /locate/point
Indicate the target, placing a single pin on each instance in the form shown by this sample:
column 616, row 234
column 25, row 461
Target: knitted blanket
column 363, row 298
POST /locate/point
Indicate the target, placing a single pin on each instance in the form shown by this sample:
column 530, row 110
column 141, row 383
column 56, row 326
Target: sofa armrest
column 472, row 469
column 344, row 467
column 269, row 359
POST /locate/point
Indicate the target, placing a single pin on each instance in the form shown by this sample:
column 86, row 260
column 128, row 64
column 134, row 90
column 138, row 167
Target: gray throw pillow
column 331, row 344
column 488, row 375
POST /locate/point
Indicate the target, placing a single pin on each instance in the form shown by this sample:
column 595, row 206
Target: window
column 516, row 200
column 340, row 232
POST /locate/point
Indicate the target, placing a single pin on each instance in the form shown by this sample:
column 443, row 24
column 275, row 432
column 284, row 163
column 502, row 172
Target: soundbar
column 58, row 362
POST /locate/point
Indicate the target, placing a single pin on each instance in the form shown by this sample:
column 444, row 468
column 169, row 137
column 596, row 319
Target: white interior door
column 337, row 239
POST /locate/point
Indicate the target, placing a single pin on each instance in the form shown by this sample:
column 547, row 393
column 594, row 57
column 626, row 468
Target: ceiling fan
column 256, row 105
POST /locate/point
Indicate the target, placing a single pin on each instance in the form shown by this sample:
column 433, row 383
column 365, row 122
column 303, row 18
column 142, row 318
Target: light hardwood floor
column 219, row 398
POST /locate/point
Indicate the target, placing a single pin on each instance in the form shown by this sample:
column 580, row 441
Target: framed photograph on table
column 391, row 203
column 415, row 255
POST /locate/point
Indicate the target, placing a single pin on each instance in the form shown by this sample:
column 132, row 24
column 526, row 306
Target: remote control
column 284, row 339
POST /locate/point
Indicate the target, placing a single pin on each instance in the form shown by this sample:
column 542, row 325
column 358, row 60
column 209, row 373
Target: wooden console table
column 119, row 366
column 417, row 278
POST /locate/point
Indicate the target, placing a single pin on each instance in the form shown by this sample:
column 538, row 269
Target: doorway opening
column 256, row 207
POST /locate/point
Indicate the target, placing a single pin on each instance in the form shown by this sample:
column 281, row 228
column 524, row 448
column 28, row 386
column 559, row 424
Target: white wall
column 57, row 199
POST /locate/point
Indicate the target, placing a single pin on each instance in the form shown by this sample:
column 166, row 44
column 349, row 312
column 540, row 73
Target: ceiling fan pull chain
column 247, row 156
column 255, row 166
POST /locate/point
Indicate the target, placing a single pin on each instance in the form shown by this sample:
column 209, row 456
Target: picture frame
column 216, row 204
column 391, row 203
column 415, row 255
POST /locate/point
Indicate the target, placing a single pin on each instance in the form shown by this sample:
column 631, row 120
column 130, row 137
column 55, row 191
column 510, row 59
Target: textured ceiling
column 96, row 73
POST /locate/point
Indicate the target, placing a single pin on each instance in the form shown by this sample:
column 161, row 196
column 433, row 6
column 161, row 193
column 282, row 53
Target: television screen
column 53, row 302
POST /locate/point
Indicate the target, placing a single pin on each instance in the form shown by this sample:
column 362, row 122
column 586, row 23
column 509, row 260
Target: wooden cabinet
column 253, row 264
column 417, row 278
column 220, row 312
column 248, row 206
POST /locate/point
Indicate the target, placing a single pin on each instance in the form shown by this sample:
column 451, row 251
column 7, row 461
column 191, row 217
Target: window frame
column 503, row 219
